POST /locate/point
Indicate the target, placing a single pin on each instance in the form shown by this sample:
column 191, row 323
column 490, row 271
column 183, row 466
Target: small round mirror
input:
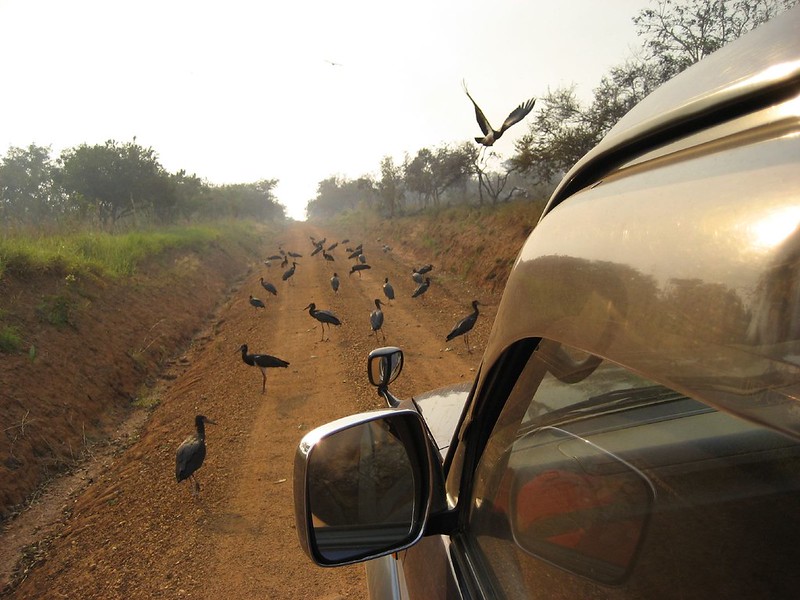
column 384, row 365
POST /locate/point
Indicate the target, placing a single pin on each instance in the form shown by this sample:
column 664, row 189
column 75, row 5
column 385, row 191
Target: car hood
column 441, row 409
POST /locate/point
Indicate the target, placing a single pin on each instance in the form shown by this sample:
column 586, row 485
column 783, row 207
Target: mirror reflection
column 383, row 369
column 361, row 491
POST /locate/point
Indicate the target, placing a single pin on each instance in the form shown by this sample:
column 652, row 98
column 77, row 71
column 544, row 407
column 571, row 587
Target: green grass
column 112, row 255
column 10, row 340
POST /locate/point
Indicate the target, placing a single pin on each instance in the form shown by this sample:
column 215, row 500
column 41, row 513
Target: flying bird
column 191, row 453
column 490, row 134
column 262, row 361
column 465, row 325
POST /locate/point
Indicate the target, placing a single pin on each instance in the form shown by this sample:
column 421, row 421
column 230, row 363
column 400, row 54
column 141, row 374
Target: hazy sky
column 235, row 91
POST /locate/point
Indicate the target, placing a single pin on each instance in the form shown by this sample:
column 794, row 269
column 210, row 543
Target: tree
column 27, row 194
column 431, row 172
column 678, row 34
column 390, row 186
column 559, row 135
column 117, row 180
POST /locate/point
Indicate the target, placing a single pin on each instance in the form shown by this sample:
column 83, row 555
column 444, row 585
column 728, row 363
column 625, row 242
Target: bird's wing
column 518, row 114
column 483, row 122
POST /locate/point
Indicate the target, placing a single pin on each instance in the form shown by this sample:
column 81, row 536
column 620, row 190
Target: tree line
column 115, row 183
column 675, row 34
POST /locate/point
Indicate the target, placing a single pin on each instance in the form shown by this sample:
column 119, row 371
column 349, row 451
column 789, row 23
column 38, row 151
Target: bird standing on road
column 256, row 303
column 262, row 361
column 335, row 283
column 388, row 290
column 424, row 269
column 465, row 325
column 191, row 453
column 376, row 320
column 359, row 268
column 269, row 287
column 288, row 274
column 422, row 288
column 491, row 135
column 417, row 276
column 323, row 316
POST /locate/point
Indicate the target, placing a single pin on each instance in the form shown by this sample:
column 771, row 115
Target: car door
column 596, row 482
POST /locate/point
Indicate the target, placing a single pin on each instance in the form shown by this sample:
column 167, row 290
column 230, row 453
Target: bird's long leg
column 322, row 339
column 195, row 486
column 263, row 380
column 466, row 341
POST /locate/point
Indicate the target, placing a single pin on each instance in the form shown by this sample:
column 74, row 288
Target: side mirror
column 384, row 365
column 362, row 486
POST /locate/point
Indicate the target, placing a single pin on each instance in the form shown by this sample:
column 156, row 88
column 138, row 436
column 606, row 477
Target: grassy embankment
column 100, row 254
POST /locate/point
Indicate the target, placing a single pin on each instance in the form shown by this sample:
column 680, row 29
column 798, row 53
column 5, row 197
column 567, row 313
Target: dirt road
column 134, row 533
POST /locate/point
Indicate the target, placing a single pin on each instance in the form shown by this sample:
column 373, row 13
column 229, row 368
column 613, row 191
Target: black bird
column 388, row 289
column 256, row 303
column 290, row 272
column 361, row 258
column 317, row 249
column 422, row 288
column 275, row 257
column 262, row 361
column 376, row 319
column 358, row 268
column 332, row 246
column 269, row 287
column 191, row 453
column 335, row 282
column 355, row 253
column 465, row 325
column 491, row 135
column 327, row 256
column 323, row 316
column 285, row 261
column 295, row 255
column 424, row 269
column 417, row 277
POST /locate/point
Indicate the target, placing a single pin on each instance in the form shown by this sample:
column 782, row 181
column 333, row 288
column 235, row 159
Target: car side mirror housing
column 383, row 367
column 363, row 486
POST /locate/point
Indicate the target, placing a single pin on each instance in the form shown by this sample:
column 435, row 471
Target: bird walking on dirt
column 263, row 362
column 424, row 269
column 359, row 268
column 417, row 277
column 422, row 288
column 191, row 453
column 335, row 283
column 491, row 135
column 290, row 272
column 376, row 320
column 323, row 316
column 465, row 325
column 388, row 290
column 269, row 287
column 256, row 303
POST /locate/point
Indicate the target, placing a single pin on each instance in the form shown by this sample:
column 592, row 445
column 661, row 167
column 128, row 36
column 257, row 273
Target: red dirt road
column 134, row 533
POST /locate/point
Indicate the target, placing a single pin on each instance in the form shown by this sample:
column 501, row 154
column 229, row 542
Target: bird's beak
column 207, row 420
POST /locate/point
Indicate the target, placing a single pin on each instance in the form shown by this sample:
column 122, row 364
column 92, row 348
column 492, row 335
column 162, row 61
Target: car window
column 596, row 482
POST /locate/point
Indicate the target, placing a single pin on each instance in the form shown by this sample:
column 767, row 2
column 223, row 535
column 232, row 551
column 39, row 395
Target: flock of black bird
column 192, row 451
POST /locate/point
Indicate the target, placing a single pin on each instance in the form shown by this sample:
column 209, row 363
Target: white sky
column 235, row 91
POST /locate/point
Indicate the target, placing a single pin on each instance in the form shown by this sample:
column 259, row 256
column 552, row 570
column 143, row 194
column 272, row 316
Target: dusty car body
column 634, row 428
